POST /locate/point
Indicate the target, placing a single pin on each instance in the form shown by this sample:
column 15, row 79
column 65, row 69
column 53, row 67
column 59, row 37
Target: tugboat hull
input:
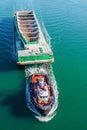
column 44, row 107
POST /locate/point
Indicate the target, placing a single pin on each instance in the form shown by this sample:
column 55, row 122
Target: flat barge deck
column 35, row 47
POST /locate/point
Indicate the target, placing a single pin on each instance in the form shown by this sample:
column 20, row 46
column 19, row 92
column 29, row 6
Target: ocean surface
column 66, row 24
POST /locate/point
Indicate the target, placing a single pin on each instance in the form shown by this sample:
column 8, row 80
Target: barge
column 35, row 48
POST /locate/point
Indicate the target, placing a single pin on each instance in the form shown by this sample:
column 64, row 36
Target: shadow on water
column 8, row 55
column 17, row 101
column 8, row 58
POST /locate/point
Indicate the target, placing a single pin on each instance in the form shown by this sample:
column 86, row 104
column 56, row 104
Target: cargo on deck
column 35, row 47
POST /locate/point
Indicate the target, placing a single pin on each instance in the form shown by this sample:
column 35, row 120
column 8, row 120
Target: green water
column 66, row 23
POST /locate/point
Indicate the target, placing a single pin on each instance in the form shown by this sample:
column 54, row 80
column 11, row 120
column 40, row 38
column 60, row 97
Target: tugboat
column 41, row 93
